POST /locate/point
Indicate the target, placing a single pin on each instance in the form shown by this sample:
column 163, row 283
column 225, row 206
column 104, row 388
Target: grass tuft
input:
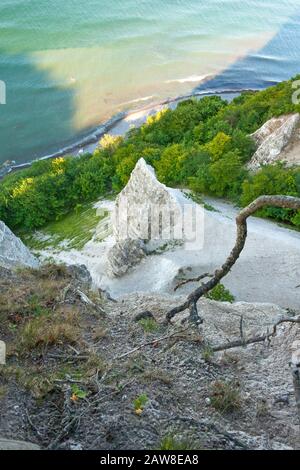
column 149, row 325
column 171, row 442
column 225, row 397
column 47, row 331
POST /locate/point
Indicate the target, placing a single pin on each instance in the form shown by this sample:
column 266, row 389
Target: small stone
column 80, row 273
column 143, row 316
column 75, row 446
column 123, row 256
column 208, row 401
column 2, row 353
column 13, row 252
column 273, row 140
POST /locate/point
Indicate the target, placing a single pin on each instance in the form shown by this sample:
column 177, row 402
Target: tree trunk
column 286, row 202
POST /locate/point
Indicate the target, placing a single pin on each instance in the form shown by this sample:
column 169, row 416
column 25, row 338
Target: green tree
column 170, row 167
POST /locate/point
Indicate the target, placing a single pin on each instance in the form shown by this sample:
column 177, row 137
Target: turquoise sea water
column 70, row 65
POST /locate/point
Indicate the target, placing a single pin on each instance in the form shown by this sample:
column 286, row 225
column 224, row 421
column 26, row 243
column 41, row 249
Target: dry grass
column 225, row 397
column 39, row 324
column 41, row 379
column 48, row 331
column 158, row 375
column 35, row 295
column 100, row 333
column 33, row 379
column 3, row 391
column 48, row 271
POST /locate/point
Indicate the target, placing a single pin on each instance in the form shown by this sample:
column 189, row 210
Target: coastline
column 119, row 124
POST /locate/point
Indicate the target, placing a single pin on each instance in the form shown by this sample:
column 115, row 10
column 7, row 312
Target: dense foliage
column 202, row 144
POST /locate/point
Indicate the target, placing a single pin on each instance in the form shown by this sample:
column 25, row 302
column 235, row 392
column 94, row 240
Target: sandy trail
column 267, row 271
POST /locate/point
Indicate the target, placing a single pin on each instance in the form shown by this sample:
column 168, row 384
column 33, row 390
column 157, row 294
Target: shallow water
column 68, row 66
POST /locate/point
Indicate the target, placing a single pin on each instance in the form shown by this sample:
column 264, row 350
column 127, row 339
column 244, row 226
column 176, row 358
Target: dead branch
column 256, row 339
column 151, row 343
column 86, row 300
column 286, row 202
column 71, row 421
column 33, row 426
column 68, row 357
column 195, row 279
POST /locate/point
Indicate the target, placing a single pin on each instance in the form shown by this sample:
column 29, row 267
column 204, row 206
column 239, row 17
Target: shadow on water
column 37, row 119
column 278, row 60
column 38, row 112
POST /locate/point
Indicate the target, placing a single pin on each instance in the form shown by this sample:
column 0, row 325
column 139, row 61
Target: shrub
column 273, row 179
column 149, row 325
column 140, row 402
column 220, row 294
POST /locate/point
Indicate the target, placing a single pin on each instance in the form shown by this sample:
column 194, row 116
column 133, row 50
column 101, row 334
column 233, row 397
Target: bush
column 220, row 294
column 273, row 179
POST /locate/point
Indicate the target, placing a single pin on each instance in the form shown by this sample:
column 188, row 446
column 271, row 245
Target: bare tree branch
column 255, row 339
column 286, row 202
column 195, row 279
column 178, row 333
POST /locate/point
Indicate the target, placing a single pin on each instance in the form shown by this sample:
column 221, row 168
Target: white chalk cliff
column 147, row 216
column 277, row 140
column 13, row 252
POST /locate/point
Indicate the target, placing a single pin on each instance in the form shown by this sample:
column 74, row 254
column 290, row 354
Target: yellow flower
column 74, row 397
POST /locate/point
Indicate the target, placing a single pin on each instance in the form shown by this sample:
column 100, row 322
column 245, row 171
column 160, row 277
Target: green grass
column 149, row 325
column 71, row 232
column 171, row 442
column 198, row 199
column 140, row 402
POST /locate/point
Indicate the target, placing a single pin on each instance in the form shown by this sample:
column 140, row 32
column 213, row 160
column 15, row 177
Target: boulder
column 276, row 141
column 81, row 274
column 147, row 216
column 10, row 444
column 13, row 252
column 6, row 167
column 123, row 256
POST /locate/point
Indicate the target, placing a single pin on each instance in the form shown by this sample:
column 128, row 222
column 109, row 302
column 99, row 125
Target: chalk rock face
column 147, row 216
column 277, row 140
column 123, row 256
column 13, row 252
